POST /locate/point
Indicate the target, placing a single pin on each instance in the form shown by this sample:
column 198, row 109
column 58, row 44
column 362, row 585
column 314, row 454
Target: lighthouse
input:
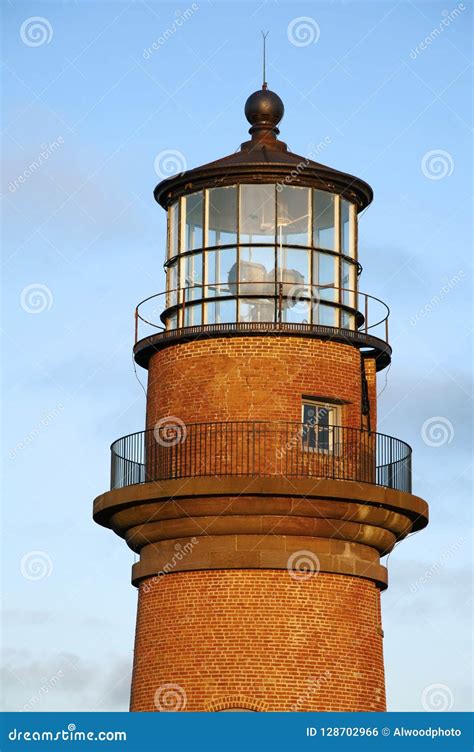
column 259, row 497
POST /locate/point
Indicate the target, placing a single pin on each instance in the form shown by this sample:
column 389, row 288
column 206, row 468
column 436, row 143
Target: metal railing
column 174, row 450
column 260, row 302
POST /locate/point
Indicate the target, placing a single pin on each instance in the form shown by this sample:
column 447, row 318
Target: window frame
column 334, row 413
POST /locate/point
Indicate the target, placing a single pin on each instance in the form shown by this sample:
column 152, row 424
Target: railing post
column 280, row 301
column 366, row 312
column 136, row 325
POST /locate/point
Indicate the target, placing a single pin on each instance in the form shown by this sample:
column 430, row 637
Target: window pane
column 324, row 314
column 193, row 315
column 310, row 414
column 192, row 271
column 347, row 320
column 194, row 220
column 222, row 216
column 172, row 283
column 173, row 220
column 325, row 275
column 323, row 438
column 257, row 214
column 349, row 284
column 257, row 270
column 296, row 309
column 323, row 220
column 294, row 273
column 345, row 226
column 172, row 321
column 256, row 309
column 293, row 215
column 323, row 416
column 310, row 421
column 293, row 266
column 221, row 269
column 221, row 312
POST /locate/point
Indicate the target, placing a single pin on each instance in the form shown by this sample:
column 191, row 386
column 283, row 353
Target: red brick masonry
column 254, row 378
column 258, row 639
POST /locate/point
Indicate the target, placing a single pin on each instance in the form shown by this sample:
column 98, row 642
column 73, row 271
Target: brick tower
column 260, row 497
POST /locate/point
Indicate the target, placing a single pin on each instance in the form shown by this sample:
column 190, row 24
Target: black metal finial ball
column 264, row 108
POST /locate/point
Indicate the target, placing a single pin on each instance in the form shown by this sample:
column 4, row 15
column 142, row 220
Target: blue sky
column 84, row 240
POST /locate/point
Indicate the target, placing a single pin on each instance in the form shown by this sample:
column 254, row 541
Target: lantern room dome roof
column 265, row 159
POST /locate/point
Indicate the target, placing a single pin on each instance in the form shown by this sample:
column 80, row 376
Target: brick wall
column 256, row 378
column 258, row 639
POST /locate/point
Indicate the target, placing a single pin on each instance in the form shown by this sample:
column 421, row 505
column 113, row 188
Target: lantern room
column 263, row 238
column 234, row 250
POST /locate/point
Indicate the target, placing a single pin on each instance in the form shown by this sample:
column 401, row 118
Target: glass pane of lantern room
column 221, row 271
column 192, row 315
column 325, row 275
column 257, row 270
column 346, row 228
column 348, row 294
column 349, row 284
column 257, row 213
column 293, row 215
column 194, row 208
column 221, row 312
column 325, row 314
column 172, row 320
column 325, row 287
column 323, row 220
column 252, row 310
column 296, row 307
column 222, row 223
column 193, row 275
column 173, row 236
column 172, row 284
column 293, row 266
